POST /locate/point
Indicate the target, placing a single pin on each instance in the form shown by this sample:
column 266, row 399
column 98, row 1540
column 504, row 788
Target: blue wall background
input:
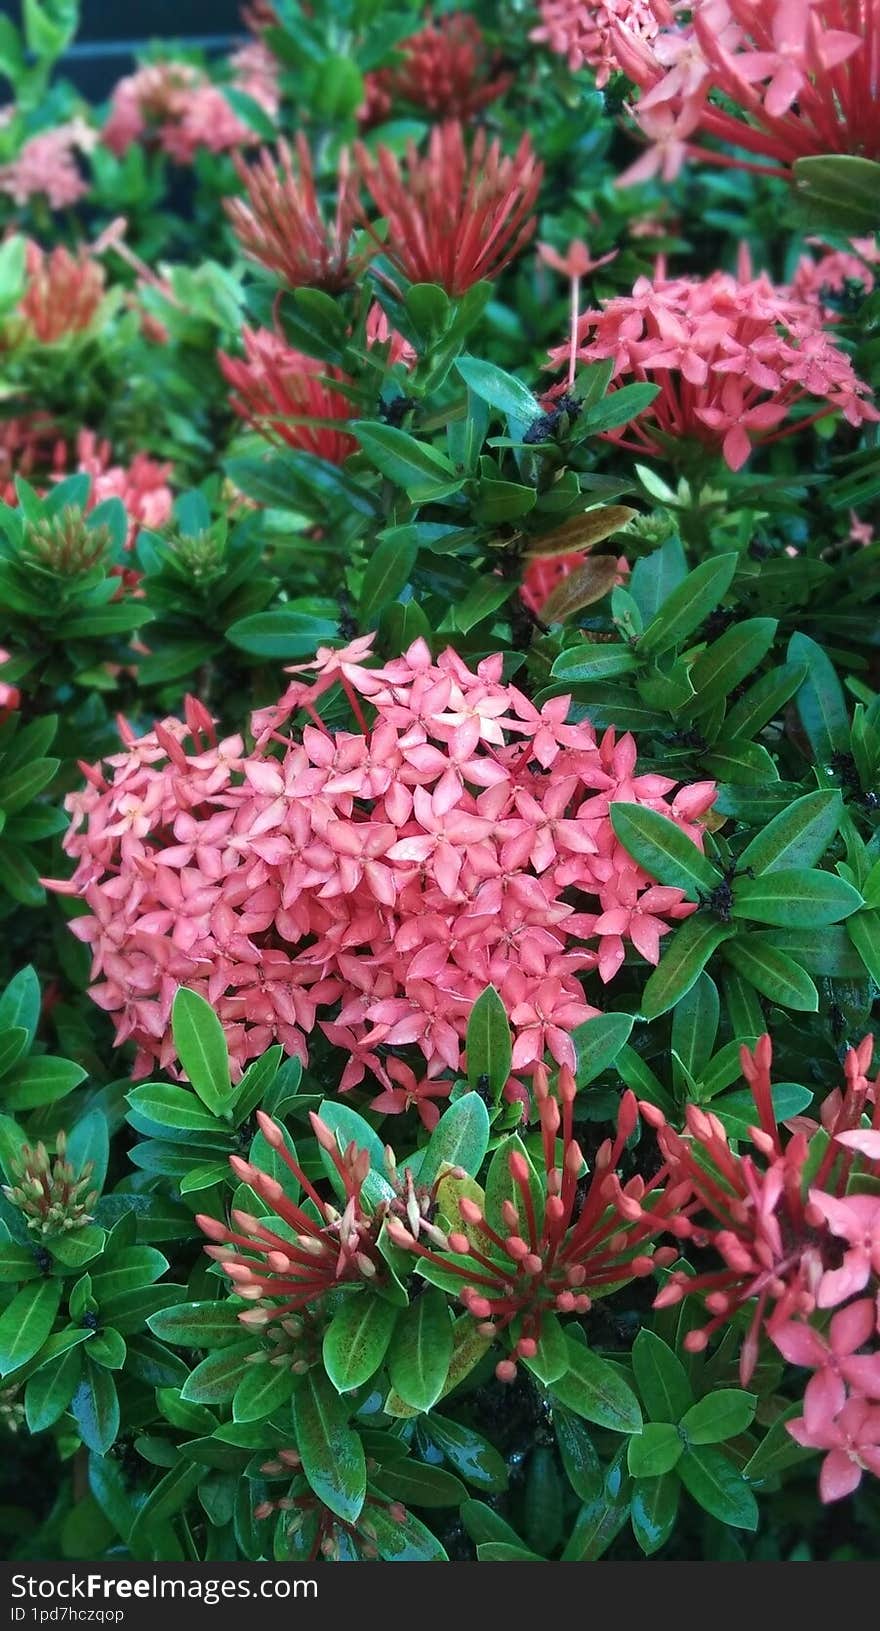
column 111, row 31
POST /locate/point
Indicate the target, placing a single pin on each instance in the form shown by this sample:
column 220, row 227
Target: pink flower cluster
column 46, row 167
column 583, row 31
column 782, row 79
column 379, row 877
column 733, row 355
column 796, row 1227
column 178, row 106
column 32, row 450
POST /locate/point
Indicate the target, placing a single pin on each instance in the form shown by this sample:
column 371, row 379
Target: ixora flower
column 777, row 79
column 280, row 222
column 583, row 31
column 176, row 105
column 373, row 880
column 62, row 296
column 551, row 1244
column 453, row 216
column 31, row 448
column 796, row 1226
column 446, row 69
column 733, row 355
column 320, row 1249
column 280, row 391
column 46, row 167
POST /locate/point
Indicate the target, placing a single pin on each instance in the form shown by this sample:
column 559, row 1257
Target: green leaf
column 653, row 1511
column 424, row 474
column 197, row 1325
column 685, row 955
column 864, row 932
column 27, row 1322
column 655, row 576
column 601, row 1519
column 655, row 1450
column 689, row 605
column 421, row 1350
column 764, row 700
column 593, row 1389
column 551, row 1360
column 50, row 1390
column 168, row 1496
column 798, row 836
column 839, row 190
column 500, row 390
column 713, row 1481
column 262, row 1390
column 95, row 1408
column 722, row 1414
column 216, row 1378
column 598, row 1042
column 287, row 633
column 460, row 1139
column 388, row 571
column 695, row 1025
column 665, row 852
column 172, row 1107
column 621, row 405
column 593, row 662
column 200, row 1041
column 728, row 661
column 660, row 1377
column 332, row 1453
column 484, row 597
column 583, row 1468
column 404, row 1540
column 40, row 1081
column 772, row 973
column 20, row 1002
column 488, row 1042
column 357, row 1338
column 474, row 1459
column 418, row 1484
column 820, row 701
column 800, row 898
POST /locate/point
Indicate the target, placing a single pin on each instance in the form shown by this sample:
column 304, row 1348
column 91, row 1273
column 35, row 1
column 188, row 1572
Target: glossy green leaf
column 655, row 1450
column 200, row 1041
column 665, row 852
column 593, row 1389
column 797, row 837
column 689, row 605
column 660, row 1377
column 332, row 1454
column 684, row 954
column 488, row 1042
column 26, row 1323
column 357, row 1338
column 715, row 1483
column 460, row 1139
column 722, row 1414
column 598, row 1042
column 421, row 1350
column 772, row 973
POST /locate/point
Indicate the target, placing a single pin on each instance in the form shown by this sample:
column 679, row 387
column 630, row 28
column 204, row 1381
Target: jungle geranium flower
column 280, row 222
column 773, row 1228
column 454, row 217
column 63, row 293
column 539, row 1258
column 834, row 1358
column 583, row 31
column 445, row 69
column 46, row 167
column 783, row 79
column 732, row 355
column 280, row 391
column 852, row 1440
column 320, row 1249
column 371, row 881
column 176, row 106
